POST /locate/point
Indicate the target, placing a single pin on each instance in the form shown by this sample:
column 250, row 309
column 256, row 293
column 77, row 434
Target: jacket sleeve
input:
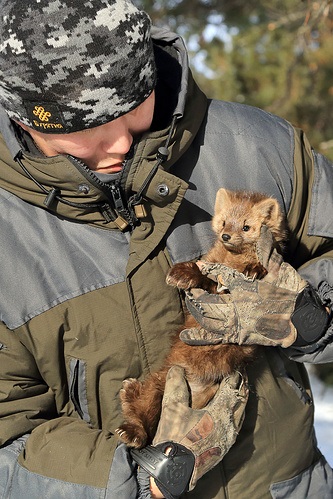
column 311, row 237
column 44, row 454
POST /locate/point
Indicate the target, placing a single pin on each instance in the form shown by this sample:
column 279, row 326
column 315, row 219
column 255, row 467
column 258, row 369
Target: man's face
column 102, row 148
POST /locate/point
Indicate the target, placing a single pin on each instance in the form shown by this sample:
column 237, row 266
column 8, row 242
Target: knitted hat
column 67, row 65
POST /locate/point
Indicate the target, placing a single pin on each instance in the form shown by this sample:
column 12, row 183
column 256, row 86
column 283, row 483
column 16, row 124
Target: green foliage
column 274, row 54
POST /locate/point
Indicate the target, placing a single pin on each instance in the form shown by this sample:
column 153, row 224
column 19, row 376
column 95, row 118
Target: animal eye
column 246, row 228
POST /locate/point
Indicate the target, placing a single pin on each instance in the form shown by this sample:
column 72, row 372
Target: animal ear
column 222, row 199
column 270, row 210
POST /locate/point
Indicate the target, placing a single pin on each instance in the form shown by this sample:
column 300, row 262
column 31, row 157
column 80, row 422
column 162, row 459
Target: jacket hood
column 64, row 185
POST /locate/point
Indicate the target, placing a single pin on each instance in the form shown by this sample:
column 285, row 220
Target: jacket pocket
column 77, row 388
column 313, row 483
column 322, row 198
column 285, row 373
column 298, row 389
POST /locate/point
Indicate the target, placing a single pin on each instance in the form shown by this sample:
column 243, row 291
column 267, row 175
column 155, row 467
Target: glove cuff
column 172, row 472
column 310, row 317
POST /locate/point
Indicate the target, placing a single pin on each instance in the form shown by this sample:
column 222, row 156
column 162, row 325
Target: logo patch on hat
column 45, row 117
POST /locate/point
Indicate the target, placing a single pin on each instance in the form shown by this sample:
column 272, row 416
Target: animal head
column 239, row 216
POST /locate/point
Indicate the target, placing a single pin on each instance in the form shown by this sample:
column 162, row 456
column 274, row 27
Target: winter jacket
column 84, row 304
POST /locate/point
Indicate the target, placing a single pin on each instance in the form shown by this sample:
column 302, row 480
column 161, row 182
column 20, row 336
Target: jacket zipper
column 118, row 210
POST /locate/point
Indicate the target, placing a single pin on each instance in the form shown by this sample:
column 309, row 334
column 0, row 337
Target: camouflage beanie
column 67, row 65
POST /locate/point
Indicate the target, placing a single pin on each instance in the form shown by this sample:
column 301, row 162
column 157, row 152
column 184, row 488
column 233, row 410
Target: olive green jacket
column 84, row 305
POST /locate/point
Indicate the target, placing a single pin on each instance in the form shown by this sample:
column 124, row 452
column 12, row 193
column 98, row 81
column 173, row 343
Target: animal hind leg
column 141, row 406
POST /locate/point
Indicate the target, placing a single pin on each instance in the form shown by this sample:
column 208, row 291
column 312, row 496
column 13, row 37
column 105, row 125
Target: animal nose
column 226, row 237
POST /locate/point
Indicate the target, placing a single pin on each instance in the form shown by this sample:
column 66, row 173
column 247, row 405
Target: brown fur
column 237, row 221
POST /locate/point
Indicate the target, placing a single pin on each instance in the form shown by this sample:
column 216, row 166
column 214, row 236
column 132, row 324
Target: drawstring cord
column 162, row 156
column 54, row 193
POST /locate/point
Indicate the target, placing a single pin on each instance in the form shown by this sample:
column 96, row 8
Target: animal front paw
column 184, row 275
column 257, row 271
column 132, row 435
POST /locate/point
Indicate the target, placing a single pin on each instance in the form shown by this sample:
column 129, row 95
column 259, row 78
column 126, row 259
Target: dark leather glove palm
column 263, row 312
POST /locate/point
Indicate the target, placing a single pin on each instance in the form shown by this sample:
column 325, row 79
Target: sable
column 237, row 221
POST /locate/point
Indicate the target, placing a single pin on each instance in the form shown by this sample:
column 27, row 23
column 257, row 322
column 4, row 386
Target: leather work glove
column 189, row 442
column 276, row 310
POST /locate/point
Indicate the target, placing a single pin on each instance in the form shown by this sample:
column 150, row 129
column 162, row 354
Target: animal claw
column 129, row 381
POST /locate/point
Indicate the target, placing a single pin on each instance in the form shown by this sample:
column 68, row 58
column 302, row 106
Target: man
column 110, row 161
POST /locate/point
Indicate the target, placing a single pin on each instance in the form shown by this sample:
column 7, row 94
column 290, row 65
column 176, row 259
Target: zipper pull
column 121, row 223
column 124, row 218
column 110, row 216
column 117, row 199
column 140, row 211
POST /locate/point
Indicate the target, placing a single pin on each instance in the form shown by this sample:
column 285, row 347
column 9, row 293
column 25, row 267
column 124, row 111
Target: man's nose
column 117, row 137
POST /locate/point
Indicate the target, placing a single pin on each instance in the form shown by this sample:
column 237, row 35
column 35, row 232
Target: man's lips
column 117, row 167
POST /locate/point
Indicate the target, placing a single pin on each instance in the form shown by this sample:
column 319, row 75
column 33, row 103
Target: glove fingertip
column 199, row 337
column 176, row 386
column 176, row 373
column 235, row 381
